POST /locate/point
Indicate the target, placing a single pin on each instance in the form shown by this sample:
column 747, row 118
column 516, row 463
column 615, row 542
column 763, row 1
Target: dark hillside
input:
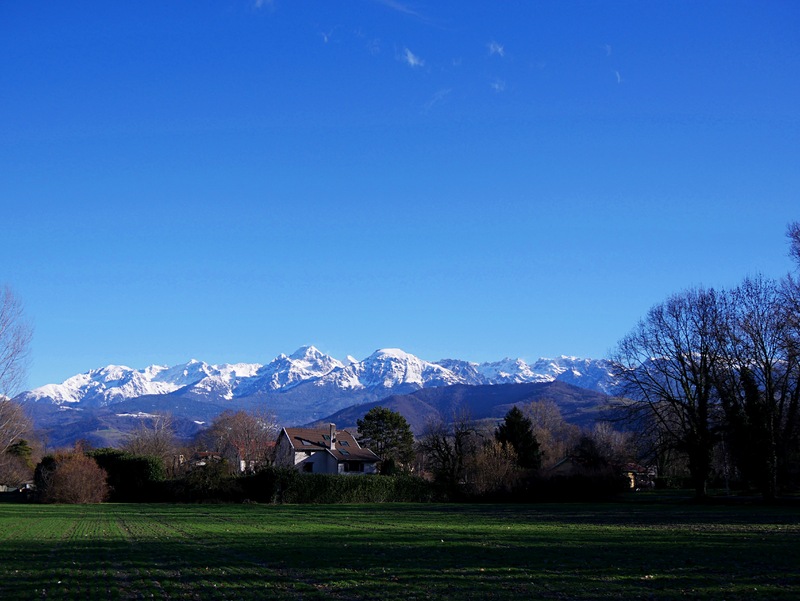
column 578, row 405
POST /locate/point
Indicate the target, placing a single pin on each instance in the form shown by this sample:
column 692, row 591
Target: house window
column 326, row 437
column 353, row 466
column 308, row 467
column 307, row 443
column 344, row 443
column 343, row 452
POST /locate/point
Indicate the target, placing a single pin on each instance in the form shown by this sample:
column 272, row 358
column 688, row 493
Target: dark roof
column 303, row 438
column 354, row 455
column 317, row 439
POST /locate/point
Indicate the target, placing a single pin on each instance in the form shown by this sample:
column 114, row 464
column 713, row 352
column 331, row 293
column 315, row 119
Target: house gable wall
column 289, row 453
column 284, row 453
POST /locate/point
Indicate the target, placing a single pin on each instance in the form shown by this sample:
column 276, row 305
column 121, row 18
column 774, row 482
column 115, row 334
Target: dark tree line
column 714, row 372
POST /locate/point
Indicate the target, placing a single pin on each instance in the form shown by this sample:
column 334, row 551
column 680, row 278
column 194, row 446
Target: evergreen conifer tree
column 517, row 432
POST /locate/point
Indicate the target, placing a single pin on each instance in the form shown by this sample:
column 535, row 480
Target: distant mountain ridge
column 577, row 405
column 298, row 388
column 385, row 368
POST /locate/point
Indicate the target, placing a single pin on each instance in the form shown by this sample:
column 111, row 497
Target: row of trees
column 243, row 440
column 533, row 453
column 235, row 442
column 717, row 373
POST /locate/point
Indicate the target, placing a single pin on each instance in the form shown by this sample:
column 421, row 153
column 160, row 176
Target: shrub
column 130, row 477
column 212, row 481
column 575, row 487
column 208, row 483
column 70, row 478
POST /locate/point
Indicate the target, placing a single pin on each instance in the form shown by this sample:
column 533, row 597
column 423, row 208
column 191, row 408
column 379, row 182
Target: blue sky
column 231, row 179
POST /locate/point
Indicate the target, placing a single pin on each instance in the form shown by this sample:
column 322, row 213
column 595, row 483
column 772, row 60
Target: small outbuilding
column 323, row 451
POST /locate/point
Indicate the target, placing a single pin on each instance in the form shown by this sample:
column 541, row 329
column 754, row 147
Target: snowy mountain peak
column 306, row 352
column 393, row 353
column 284, row 372
column 386, row 369
column 389, row 368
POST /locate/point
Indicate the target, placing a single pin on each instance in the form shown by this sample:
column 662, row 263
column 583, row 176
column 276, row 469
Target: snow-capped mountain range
column 104, row 405
column 384, row 371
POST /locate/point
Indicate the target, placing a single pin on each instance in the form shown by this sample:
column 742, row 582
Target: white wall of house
column 369, row 468
column 323, row 462
column 284, row 454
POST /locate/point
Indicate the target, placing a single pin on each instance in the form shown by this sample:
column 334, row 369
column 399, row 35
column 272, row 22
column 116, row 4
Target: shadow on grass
column 397, row 552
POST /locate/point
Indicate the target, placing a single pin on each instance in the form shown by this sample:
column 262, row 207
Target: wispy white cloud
column 438, row 98
column 411, row 59
column 607, row 48
column 498, row 85
column 400, row 7
column 496, row 49
column 619, row 77
column 264, row 3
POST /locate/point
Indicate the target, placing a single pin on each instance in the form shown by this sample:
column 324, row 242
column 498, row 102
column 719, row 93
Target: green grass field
column 614, row 551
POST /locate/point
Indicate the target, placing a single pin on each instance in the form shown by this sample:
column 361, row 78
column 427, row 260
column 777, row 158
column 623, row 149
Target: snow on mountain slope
column 511, row 371
column 100, row 387
column 389, row 368
column 285, row 372
column 386, row 369
column 105, row 385
column 466, row 371
column 593, row 374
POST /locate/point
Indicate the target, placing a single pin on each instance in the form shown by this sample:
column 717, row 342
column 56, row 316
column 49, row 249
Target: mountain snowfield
column 103, row 406
column 383, row 371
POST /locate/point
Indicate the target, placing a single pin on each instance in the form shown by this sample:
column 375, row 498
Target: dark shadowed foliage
column 130, row 477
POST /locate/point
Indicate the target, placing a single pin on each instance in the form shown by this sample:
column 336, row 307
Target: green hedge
column 131, row 477
column 290, row 486
column 273, row 485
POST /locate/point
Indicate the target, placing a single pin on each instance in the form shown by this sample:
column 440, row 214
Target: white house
column 323, row 451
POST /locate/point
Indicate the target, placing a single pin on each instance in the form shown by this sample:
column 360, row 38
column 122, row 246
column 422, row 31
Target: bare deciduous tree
column 758, row 381
column 244, row 439
column 793, row 233
column 13, row 423
column 15, row 336
column 494, row 468
column 614, row 446
column 555, row 435
column 666, row 364
column 155, row 437
column 449, row 448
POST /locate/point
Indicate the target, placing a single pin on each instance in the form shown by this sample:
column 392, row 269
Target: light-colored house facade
column 323, row 451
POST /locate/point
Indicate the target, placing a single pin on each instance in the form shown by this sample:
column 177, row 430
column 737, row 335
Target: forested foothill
column 708, row 401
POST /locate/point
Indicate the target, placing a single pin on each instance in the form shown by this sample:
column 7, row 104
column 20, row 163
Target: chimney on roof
column 333, row 436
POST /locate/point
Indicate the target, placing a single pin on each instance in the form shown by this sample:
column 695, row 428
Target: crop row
column 395, row 552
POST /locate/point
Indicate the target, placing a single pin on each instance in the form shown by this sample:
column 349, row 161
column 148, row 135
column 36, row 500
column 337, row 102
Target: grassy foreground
column 615, row 551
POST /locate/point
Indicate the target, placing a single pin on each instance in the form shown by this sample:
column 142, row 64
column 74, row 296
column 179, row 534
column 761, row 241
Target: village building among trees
column 323, row 451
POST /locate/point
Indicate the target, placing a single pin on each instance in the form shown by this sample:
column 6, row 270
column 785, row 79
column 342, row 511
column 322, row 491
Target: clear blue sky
column 231, row 179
